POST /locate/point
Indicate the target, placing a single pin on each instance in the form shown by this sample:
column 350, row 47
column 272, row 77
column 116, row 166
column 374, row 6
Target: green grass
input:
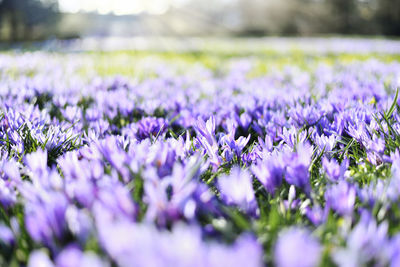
column 129, row 63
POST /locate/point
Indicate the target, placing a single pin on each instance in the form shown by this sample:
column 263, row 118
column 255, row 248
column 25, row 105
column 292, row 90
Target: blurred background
column 35, row 20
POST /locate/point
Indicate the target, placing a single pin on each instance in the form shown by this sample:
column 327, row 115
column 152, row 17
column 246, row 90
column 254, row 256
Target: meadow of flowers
column 181, row 160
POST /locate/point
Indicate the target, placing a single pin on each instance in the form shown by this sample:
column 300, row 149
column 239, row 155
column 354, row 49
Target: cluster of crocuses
column 294, row 168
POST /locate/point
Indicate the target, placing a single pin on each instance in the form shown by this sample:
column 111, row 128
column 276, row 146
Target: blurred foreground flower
column 297, row 248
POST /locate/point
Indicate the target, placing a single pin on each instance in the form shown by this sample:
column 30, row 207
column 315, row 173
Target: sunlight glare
column 119, row 7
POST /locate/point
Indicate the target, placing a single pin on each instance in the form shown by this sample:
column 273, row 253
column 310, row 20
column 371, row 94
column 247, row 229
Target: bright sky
column 119, row 7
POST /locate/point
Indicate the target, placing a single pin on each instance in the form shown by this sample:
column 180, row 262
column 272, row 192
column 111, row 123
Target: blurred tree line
column 27, row 19
column 41, row 19
column 365, row 16
column 305, row 17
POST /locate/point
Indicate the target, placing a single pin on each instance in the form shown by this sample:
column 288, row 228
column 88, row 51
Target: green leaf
column 393, row 106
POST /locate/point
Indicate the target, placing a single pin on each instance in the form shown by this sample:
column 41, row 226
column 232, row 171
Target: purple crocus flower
column 206, row 129
column 206, row 138
column 69, row 257
column 358, row 132
column 243, row 120
column 292, row 137
column 235, row 145
column 374, row 158
column 305, row 115
column 8, row 194
column 270, row 171
column 114, row 154
column 151, row 126
column 333, row 170
column 394, row 251
column 39, row 258
column 316, row 214
column 376, row 144
column 37, row 162
column 79, row 223
column 365, row 244
column 6, row 235
column 325, row 143
column 237, row 189
column 297, row 172
column 375, row 192
column 72, row 256
column 45, row 219
column 296, row 247
column 156, row 196
column 245, row 252
column 341, row 198
column 266, row 144
column 144, row 245
column 11, row 170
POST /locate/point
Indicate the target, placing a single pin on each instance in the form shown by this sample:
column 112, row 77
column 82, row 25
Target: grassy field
column 206, row 157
